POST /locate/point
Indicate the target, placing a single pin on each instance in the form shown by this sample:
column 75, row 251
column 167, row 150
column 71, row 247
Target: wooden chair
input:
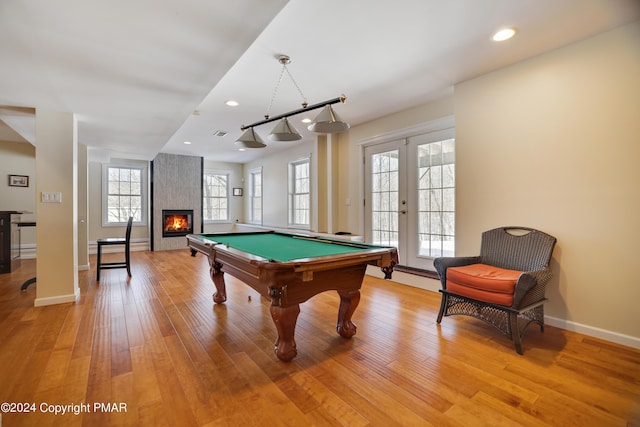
column 504, row 285
column 112, row 241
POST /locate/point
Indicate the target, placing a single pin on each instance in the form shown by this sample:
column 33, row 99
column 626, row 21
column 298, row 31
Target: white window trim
column 105, row 192
column 253, row 172
column 218, row 172
column 290, row 165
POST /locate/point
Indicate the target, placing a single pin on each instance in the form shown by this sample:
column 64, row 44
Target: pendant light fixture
column 326, row 122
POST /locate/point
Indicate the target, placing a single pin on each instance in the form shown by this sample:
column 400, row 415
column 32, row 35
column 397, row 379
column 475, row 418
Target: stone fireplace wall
column 176, row 184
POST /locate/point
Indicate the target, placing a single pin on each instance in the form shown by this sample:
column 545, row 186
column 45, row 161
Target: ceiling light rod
column 341, row 98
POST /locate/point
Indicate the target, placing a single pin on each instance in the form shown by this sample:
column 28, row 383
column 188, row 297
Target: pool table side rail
column 336, row 241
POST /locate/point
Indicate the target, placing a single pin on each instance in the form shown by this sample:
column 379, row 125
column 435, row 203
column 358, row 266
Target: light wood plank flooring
column 159, row 346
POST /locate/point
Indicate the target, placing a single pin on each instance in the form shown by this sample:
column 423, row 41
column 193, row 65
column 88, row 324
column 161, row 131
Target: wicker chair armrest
column 441, row 265
column 530, row 287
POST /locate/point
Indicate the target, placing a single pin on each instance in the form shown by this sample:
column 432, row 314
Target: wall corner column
column 56, row 208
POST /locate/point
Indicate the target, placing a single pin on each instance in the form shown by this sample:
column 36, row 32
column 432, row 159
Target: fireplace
column 177, row 222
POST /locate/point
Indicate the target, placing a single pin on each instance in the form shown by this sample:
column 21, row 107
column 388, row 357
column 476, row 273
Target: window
column 124, row 194
column 255, row 213
column 216, row 196
column 436, row 198
column 299, row 193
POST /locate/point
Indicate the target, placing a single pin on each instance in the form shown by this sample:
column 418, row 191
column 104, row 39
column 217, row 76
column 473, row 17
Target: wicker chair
column 504, row 285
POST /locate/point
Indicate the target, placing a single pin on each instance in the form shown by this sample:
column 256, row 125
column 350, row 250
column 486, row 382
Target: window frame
column 291, row 180
column 208, row 172
column 253, row 198
column 144, row 183
column 442, row 176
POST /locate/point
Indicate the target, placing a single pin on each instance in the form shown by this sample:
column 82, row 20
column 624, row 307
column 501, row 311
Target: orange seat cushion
column 483, row 282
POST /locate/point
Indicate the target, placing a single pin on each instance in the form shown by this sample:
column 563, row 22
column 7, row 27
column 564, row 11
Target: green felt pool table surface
column 283, row 247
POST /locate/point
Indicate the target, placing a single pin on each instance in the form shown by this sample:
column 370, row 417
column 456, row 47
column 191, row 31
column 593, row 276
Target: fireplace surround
column 177, row 222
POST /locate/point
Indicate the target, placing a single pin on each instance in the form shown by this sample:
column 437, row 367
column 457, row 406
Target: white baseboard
column 28, row 251
column 592, row 331
column 136, row 245
column 60, row 299
column 408, row 279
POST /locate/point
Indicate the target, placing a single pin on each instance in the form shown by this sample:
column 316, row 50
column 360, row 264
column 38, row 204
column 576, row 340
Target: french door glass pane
column 384, row 198
column 436, row 198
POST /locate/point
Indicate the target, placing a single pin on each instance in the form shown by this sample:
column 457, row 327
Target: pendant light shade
column 328, row 122
column 284, row 131
column 250, row 139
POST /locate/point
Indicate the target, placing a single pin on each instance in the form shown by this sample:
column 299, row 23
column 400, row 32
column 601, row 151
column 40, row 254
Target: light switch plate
column 51, row 197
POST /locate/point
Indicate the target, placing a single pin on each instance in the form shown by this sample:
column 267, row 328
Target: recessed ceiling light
column 504, row 34
column 187, row 142
column 240, row 149
column 306, row 120
column 232, row 103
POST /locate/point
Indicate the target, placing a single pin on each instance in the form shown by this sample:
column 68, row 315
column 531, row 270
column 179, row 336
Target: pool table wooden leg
column 285, row 319
column 217, row 276
column 349, row 300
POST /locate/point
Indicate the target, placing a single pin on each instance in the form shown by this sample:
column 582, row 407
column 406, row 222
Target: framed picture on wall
column 237, row 191
column 18, row 181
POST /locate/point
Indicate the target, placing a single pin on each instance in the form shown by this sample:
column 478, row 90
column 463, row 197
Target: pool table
column 288, row 269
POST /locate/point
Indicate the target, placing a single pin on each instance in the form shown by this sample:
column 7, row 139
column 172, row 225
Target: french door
column 410, row 196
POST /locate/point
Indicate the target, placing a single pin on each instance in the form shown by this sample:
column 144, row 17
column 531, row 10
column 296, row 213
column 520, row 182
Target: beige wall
column 19, row 158
column 554, row 143
column 57, row 229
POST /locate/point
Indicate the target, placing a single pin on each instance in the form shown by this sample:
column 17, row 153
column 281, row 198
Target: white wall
column 95, row 230
column 236, row 206
column 274, row 181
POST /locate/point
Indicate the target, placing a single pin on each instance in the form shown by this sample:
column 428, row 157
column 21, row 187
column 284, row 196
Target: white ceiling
column 135, row 71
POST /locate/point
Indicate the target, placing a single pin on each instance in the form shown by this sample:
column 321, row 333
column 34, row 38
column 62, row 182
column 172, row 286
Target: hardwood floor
column 160, row 350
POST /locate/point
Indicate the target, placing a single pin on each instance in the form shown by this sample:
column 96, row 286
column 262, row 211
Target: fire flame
column 176, row 223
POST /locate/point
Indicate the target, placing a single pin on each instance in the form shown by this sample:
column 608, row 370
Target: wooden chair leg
column 99, row 266
column 128, row 262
